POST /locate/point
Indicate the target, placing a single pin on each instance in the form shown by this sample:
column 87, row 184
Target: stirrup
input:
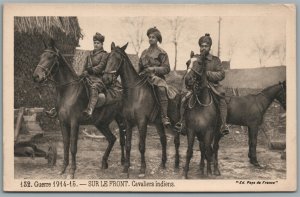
column 87, row 114
column 52, row 113
column 224, row 130
column 165, row 120
column 180, row 128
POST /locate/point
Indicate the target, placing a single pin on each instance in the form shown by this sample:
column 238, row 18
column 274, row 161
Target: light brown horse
column 72, row 99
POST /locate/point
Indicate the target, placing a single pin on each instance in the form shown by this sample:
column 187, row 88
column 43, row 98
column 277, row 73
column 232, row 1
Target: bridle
column 49, row 75
column 49, row 71
column 190, row 105
column 115, row 73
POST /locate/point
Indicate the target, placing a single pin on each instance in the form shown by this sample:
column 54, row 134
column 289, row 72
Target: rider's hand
column 84, row 73
column 149, row 70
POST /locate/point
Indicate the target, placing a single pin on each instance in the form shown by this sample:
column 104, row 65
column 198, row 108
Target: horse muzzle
column 38, row 78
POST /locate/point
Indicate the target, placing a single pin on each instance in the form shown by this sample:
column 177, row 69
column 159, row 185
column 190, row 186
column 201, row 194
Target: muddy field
column 233, row 160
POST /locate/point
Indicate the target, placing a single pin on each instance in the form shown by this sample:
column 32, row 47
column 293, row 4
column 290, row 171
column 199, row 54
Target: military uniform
column 156, row 60
column 215, row 73
column 95, row 65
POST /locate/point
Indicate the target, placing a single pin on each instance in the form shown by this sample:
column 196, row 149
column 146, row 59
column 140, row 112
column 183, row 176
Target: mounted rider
column 154, row 62
column 215, row 73
column 93, row 68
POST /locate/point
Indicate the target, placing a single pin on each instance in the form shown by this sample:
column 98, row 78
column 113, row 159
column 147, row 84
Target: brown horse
column 243, row 110
column 72, row 99
column 139, row 102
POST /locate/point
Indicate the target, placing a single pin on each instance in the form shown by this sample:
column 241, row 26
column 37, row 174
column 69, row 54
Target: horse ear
column 112, row 46
column 192, row 54
column 124, row 47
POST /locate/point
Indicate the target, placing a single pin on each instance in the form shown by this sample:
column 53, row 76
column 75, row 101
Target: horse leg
column 189, row 152
column 122, row 132
column 215, row 151
column 177, row 144
column 74, row 140
column 65, row 131
column 142, row 126
column 202, row 150
column 110, row 137
column 252, row 132
column 209, row 151
column 128, row 148
column 163, row 141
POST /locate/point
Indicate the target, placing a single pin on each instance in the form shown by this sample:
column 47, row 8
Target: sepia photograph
column 149, row 98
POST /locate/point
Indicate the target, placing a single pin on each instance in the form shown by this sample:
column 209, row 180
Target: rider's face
column 152, row 39
column 98, row 45
column 204, row 48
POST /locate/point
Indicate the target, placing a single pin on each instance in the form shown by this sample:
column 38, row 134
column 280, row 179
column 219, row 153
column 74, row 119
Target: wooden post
column 19, row 122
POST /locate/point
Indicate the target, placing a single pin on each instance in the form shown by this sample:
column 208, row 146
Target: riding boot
column 163, row 99
column 224, row 130
column 180, row 126
column 92, row 103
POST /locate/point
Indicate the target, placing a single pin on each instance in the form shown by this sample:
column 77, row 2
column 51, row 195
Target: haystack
column 29, row 33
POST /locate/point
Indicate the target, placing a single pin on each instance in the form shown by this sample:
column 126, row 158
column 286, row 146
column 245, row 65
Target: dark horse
column 71, row 100
column 242, row 110
column 139, row 103
column 201, row 116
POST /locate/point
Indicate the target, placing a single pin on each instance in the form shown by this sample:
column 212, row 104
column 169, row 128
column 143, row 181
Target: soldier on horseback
column 215, row 73
column 154, row 62
column 93, row 68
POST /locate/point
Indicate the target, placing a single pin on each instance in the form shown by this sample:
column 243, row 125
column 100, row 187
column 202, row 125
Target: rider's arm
column 218, row 74
column 102, row 64
column 164, row 67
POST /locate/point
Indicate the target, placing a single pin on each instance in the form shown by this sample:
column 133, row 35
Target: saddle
column 111, row 96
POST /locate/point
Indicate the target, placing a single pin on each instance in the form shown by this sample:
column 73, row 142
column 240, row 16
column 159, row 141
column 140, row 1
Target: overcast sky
column 235, row 31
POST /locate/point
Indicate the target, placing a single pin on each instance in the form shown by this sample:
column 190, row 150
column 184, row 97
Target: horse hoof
column 104, row 166
column 255, row 163
column 163, row 165
column 217, row 173
column 202, row 172
column 125, row 170
column 70, row 176
column 122, row 162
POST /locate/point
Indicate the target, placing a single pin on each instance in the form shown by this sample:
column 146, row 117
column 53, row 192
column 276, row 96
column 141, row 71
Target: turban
column 155, row 32
column 205, row 39
column 99, row 37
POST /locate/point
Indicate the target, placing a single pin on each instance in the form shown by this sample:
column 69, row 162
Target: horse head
column 48, row 62
column 281, row 96
column 195, row 70
column 114, row 62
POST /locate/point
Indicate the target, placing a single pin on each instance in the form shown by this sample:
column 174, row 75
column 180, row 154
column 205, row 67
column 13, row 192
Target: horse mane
column 126, row 58
column 68, row 65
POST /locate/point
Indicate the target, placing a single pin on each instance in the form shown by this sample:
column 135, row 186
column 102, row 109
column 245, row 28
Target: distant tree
column 280, row 51
column 231, row 47
column 176, row 25
column 135, row 32
column 263, row 49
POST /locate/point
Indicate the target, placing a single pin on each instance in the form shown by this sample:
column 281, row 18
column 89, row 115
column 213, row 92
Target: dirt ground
column 233, row 160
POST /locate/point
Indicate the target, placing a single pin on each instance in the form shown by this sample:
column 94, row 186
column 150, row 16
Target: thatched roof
column 48, row 25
